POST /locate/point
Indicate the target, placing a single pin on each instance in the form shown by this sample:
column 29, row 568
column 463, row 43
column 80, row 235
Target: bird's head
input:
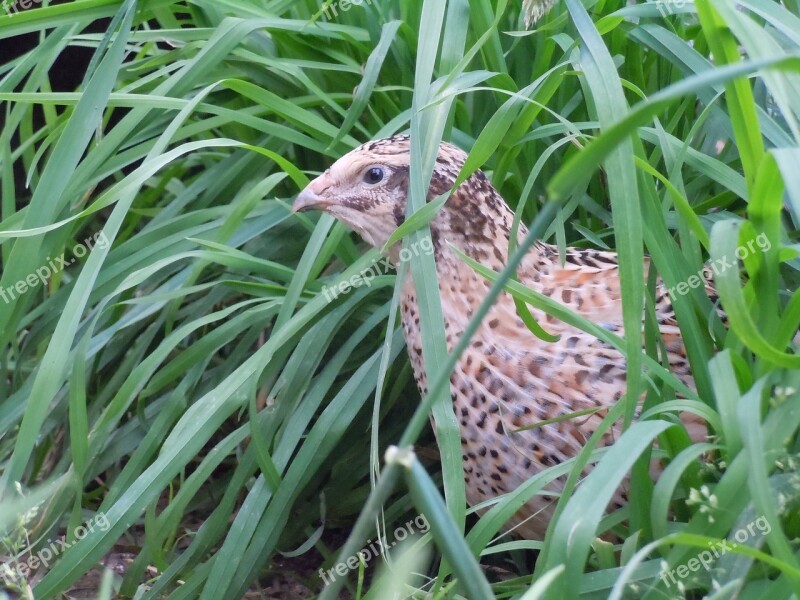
column 366, row 189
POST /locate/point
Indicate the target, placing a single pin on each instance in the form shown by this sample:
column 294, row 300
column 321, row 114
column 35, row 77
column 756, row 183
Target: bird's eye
column 373, row 175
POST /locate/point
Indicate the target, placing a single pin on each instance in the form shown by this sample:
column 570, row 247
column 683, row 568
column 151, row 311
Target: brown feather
column 508, row 378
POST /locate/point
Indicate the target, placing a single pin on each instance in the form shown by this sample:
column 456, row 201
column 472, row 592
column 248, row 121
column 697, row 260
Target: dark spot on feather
column 399, row 214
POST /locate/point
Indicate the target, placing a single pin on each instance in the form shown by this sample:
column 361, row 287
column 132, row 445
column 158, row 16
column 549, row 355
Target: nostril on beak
column 320, row 184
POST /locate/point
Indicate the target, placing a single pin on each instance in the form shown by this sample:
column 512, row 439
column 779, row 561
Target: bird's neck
column 477, row 222
column 479, row 226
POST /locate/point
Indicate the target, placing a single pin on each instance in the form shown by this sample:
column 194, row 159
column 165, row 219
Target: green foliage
column 185, row 374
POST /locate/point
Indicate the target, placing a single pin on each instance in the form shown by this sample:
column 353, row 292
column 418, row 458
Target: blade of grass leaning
column 739, row 96
column 764, row 500
column 365, row 89
column 576, row 526
column 84, row 120
column 203, row 259
column 605, row 88
column 426, row 132
column 724, row 242
column 445, row 531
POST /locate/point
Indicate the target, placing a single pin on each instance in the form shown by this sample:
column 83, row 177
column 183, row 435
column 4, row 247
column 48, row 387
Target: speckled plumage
column 507, row 378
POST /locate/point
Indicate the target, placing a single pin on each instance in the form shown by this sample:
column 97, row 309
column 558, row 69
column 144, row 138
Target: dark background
column 66, row 74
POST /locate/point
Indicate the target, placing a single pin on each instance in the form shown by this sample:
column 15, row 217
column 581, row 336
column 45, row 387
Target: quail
column 508, row 379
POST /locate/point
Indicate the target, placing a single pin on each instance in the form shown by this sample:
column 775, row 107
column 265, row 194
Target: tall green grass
column 190, row 381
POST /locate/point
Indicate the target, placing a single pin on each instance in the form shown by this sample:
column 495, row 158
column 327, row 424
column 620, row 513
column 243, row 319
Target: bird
column 508, row 380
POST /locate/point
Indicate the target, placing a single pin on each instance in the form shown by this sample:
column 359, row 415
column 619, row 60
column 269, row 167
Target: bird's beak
column 311, row 197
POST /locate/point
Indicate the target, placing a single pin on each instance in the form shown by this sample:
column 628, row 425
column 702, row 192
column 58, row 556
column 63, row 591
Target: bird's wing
column 588, row 282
